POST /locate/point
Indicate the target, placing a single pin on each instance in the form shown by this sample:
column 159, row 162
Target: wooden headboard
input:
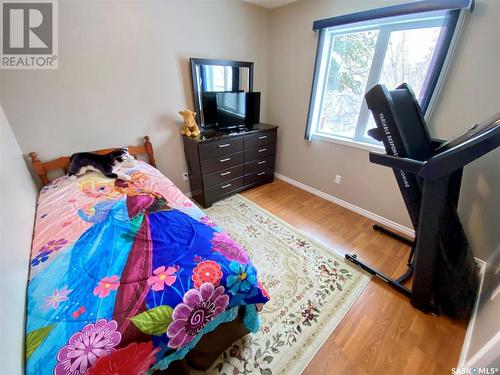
column 63, row 162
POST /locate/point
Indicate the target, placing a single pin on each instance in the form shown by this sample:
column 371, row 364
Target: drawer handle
column 261, row 173
column 223, row 160
column 225, row 186
column 224, row 145
column 263, row 137
column 261, row 162
column 262, row 150
column 225, row 173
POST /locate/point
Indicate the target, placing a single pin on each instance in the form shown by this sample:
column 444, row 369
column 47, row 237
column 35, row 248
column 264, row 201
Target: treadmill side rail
column 457, row 157
column 404, row 164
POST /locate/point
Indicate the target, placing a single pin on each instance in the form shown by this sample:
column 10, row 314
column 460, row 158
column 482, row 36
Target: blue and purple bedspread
column 127, row 276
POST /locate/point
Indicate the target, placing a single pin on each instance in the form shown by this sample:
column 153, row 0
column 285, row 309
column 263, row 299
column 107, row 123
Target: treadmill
column 429, row 174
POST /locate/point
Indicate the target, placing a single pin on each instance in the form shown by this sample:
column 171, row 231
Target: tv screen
column 224, row 109
column 231, row 109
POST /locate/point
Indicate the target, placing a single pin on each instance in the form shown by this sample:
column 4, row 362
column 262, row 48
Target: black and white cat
column 108, row 164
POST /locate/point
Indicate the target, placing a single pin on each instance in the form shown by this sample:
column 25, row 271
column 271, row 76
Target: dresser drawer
column 259, row 177
column 259, row 152
column 260, row 139
column 221, row 162
column 226, row 146
column 259, row 165
column 223, row 175
column 223, row 188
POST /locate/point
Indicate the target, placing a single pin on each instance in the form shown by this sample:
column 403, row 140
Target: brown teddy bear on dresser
column 190, row 127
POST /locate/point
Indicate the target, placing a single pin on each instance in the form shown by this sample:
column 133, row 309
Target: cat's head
column 121, row 155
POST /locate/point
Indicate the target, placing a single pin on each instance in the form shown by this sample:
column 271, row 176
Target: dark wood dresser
column 221, row 164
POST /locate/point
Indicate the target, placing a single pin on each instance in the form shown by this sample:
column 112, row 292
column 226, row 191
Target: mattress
column 128, row 275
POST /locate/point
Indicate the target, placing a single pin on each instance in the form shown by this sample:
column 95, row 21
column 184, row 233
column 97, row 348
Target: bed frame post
column 149, row 149
column 38, row 165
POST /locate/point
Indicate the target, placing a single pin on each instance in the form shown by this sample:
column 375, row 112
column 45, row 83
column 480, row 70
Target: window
column 352, row 57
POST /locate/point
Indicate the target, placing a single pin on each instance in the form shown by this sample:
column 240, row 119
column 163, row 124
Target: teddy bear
column 190, row 127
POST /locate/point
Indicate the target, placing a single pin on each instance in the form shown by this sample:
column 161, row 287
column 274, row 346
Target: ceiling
column 270, row 4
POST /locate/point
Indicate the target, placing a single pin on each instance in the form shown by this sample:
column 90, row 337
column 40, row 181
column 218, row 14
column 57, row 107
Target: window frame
column 384, row 28
column 454, row 13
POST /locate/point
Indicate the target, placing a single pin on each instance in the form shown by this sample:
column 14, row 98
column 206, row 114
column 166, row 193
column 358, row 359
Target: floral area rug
column 311, row 289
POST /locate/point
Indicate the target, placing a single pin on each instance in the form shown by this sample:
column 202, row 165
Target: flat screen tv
column 229, row 110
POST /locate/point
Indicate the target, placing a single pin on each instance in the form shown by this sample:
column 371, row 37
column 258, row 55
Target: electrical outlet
column 338, row 178
column 185, row 176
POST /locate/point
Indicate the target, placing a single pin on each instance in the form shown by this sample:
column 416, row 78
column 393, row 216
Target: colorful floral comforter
column 128, row 275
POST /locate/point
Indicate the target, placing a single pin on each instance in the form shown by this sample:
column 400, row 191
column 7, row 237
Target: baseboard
column 370, row 215
column 470, row 327
column 487, row 354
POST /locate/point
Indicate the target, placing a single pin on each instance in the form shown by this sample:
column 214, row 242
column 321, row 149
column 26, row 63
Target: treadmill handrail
column 446, row 162
column 405, row 164
column 450, row 160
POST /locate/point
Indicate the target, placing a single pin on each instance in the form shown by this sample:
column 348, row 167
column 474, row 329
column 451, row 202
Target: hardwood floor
column 382, row 333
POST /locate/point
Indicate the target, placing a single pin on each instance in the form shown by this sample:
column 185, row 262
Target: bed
column 131, row 276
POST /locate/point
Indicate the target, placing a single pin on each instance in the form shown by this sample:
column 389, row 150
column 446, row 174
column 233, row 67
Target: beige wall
column 471, row 93
column 17, row 211
column 124, row 72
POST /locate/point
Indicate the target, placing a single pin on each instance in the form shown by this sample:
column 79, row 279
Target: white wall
column 124, row 73
column 471, row 94
column 17, row 211
column 483, row 348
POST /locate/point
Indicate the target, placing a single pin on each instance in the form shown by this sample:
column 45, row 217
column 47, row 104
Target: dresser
column 221, row 164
